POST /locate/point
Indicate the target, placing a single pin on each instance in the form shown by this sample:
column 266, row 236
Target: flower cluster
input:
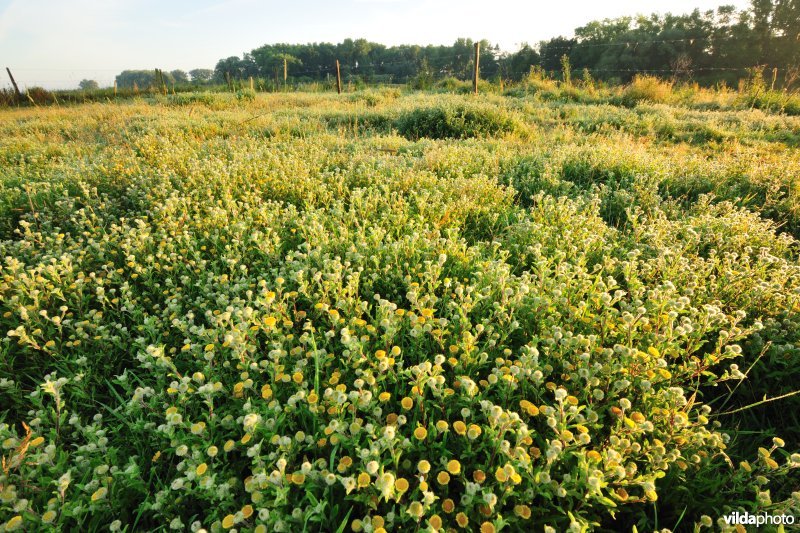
column 207, row 327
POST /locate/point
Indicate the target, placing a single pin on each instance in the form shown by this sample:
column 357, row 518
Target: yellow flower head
column 420, row 433
column 460, row 427
column 14, row 523
column 448, row 506
column 462, row 520
column 99, row 494
column 522, row 511
column 443, row 478
column 424, row 466
column 416, row 510
column 474, row 431
column 454, row 467
column 401, row 485
column 407, row 403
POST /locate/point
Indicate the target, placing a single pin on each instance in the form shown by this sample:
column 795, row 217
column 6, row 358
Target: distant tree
column 229, row 68
column 201, row 75
column 88, row 85
column 551, row 52
column 517, row 65
column 142, row 78
column 179, row 77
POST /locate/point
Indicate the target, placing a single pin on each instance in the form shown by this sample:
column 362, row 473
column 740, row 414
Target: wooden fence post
column 14, row 83
column 338, row 78
column 476, row 73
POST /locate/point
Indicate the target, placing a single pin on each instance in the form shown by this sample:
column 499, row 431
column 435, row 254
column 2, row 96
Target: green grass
column 295, row 311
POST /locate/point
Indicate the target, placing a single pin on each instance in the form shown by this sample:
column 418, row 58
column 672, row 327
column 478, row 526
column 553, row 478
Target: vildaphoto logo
column 746, row 519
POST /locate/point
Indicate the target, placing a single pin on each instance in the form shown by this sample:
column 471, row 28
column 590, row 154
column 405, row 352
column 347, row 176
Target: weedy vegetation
column 390, row 311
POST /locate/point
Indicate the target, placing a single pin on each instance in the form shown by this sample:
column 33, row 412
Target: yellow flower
column 313, row 398
column 201, row 469
column 384, row 397
column 474, row 431
column 229, row 445
column 297, row 377
column 501, row 475
column 36, row 442
column 227, row 522
column 478, row 476
column 448, row 506
column 401, row 484
column 441, row 426
column 460, row 427
column 424, row 466
column 487, row 527
column 529, row 408
column 266, row 392
column 454, row 467
column 416, row 510
column 522, row 511
column 462, row 520
column 14, row 523
column 48, row 516
column 270, row 321
column 420, row 433
column 298, row 478
column 363, row 480
column 99, row 494
column 407, row 403
column 247, row 511
column 260, row 528
column 443, row 478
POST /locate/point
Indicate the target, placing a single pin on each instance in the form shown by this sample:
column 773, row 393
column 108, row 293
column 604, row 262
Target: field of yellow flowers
column 384, row 311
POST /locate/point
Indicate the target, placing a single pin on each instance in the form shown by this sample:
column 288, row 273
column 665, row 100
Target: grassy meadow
column 539, row 309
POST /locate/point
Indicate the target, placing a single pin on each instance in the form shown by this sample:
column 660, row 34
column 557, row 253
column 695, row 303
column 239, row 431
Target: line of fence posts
column 159, row 77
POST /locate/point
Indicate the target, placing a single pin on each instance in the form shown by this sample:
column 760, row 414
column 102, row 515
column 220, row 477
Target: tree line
column 704, row 46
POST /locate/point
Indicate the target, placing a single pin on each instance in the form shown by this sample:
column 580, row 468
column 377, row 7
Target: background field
column 541, row 307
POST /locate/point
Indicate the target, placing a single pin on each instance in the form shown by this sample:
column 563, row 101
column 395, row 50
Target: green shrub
column 245, row 95
column 646, row 89
column 456, row 121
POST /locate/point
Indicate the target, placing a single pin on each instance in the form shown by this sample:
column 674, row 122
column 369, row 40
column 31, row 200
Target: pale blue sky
column 56, row 43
